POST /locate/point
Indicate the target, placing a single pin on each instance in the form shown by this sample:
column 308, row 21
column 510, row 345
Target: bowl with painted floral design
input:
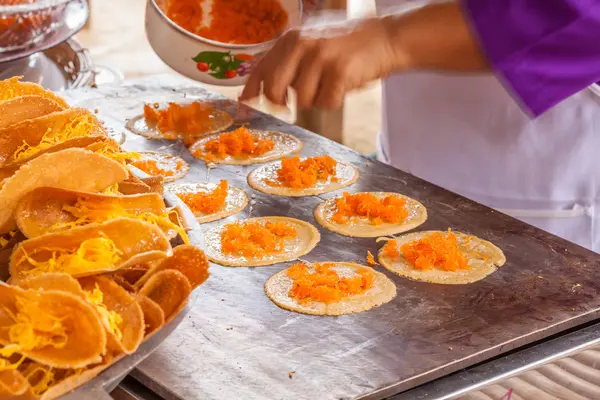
column 206, row 60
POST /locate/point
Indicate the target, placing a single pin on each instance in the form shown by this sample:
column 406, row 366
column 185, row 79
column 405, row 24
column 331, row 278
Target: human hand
column 322, row 63
column 310, row 5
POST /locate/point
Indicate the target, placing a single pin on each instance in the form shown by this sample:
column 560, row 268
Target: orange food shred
column 390, row 209
column 255, row 239
column 390, row 249
column 436, row 250
column 233, row 21
column 206, row 202
column 302, row 174
column 151, row 168
column 325, row 285
column 240, row 142
column 371, row 259
column 189, row 119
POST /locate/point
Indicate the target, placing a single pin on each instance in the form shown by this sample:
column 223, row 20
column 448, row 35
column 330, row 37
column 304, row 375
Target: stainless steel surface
column 75, row 15
column 237, row 344
column 554, row 351
column 130, row 389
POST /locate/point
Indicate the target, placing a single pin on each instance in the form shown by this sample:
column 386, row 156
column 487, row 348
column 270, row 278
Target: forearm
column 435, row 37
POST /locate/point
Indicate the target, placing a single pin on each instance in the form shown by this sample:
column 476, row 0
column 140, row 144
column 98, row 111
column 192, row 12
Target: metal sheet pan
column 107, row 381
column 237, row 344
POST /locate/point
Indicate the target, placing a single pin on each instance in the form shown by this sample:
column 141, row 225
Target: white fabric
column 466, row 134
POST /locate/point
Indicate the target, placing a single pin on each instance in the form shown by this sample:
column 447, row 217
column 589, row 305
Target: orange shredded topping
column 255, row 239
column 301, row 174
column 325, row 285
column 233, row 21
column 436, row 250
column 390, row 249
column 206, row 203
column 189, row 119
column 151, row 168
column 371, row 259
column 240, row 142
column 390, row 209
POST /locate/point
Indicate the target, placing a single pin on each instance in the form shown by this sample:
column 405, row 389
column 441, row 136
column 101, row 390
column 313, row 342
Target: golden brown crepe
column 169, row 289
column 46, row 210
column 187, row 259
column 78, row 338
column 121, row 314
column 91, row 249
column 26, row 107
column 13, row 87
column 57, row 170
column 25, row 139
column 154, row 316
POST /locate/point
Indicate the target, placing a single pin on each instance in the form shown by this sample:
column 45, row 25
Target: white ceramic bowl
column 202, row 59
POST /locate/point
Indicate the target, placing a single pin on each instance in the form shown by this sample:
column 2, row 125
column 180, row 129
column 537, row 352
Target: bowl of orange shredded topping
column 217, row 41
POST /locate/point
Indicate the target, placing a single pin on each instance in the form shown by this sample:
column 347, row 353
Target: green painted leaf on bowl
column 218, row 62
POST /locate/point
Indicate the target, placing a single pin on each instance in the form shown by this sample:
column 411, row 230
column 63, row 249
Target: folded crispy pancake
column 188, row 260
column 94, row 173
column 27, row 107
column 25, row 139
column 169, row 289
column 121, row 314
column 81, row 142
column 13, row 87
column 13, row 385
column 91, row 249
column 154, row 316
column 66, row 331
column 134, row 185
column 45, row 210
column 53, row 281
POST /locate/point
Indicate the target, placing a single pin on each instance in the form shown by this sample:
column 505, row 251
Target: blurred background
column 115, row 39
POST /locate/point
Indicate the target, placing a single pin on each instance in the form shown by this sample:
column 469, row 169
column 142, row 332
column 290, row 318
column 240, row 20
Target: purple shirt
column 544, row 50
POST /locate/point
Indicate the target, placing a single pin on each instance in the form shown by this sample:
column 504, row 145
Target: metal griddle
column 235, row 343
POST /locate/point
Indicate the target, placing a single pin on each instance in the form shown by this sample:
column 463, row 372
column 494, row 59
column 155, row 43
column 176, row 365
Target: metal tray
column 240, row 345
column 107, row 381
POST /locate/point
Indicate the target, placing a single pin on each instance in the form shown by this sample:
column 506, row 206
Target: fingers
column 332, row 89
column 253, row 84
column 306, row 84
column 277, row 69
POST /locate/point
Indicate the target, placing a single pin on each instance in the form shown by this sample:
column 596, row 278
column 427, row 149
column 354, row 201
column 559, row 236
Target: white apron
column 468, row 135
